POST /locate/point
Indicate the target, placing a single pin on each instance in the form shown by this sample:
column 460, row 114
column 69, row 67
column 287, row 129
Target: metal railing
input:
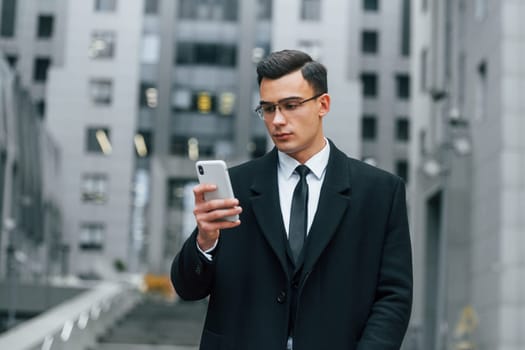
column 76, row 323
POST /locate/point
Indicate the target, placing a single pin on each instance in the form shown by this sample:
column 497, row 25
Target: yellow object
column 204, row 102
column 159, row 284
column 468, row 322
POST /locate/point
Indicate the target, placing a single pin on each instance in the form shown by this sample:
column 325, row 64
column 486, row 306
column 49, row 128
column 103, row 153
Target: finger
column 211, row 229
column 216, row 214
column 215, row 204
column 201, row 189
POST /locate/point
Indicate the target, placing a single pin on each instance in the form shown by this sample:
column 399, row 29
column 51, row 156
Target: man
column 318, row 260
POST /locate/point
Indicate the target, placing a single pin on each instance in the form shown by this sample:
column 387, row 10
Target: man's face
column 296, row 131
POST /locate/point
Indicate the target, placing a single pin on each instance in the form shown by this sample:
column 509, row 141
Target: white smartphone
column 215, row 172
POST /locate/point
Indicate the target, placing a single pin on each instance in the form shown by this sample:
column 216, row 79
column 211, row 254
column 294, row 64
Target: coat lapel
column 334, row 201
column 267, row 208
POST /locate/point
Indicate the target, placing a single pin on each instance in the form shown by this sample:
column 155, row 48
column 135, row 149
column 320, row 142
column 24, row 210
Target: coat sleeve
column 390, row 313
column 191, row 273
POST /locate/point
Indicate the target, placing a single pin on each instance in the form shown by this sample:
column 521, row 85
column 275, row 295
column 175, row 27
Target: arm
column 390, row 313
column 191, row 272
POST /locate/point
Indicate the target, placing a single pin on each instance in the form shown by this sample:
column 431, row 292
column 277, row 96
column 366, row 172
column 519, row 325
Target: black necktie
column 299, row 212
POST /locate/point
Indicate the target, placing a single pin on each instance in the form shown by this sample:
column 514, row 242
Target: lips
column 282, row 134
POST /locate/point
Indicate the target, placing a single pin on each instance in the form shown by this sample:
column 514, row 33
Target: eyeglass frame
column 260, row 112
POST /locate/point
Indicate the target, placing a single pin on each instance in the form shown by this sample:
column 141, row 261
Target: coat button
column 281, row 298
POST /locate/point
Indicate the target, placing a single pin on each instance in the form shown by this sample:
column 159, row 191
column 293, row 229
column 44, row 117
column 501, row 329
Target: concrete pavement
column 156, row 324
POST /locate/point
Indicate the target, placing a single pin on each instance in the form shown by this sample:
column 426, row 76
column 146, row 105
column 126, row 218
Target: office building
column 91, row 112
column 30, row 236
column 467, row 155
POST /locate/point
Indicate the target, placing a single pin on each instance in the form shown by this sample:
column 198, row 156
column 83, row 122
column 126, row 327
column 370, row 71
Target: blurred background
column 105, row 105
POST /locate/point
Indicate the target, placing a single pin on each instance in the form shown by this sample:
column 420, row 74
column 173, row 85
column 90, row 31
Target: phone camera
column 201, row 170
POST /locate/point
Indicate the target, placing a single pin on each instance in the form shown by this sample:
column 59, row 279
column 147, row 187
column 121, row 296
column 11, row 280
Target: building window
column 405, row 29
column 102, row 44
column 423, row 73
column 402, row 169
column 371, row 5
column 226, row 103
column 369, row 128
column 187, row 9
column 40, row 68
column 12, row 60
column 264, row 9
column 150, row 49
column 148, row 95
column 143, row 143
column 40, row 107
column 45, row 27
column 95, row 188
column 213, row 54
column 92, row 236
column 403, row 86
column 191, row 147
column 424, row 5
column 101, row 91
column 7, row 19
column 311, row 10
column 370, row 84
column 151, row 7
column 181, row 99
column 203, row 102
column 481, row 91
column 98, row 140
column 225, row 10
column 176, row 191
column 402, row 129
column 179, row 145
column 369, row 41
column 105, row 5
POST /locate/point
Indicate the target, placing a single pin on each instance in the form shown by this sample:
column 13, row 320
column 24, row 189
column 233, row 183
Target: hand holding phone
column 215, row 172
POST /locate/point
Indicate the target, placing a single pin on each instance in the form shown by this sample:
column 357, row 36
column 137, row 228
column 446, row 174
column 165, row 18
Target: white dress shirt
column 288, row 179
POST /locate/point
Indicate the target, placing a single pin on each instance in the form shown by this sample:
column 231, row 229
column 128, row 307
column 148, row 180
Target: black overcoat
column 353, row 289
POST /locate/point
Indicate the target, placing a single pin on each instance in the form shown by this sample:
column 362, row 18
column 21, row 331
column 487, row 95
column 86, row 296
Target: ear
column 325, row 105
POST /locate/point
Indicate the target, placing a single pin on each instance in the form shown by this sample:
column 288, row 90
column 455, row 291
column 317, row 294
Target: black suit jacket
column 354, row 288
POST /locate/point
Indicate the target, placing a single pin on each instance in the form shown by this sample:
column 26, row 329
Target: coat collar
column 333, row 202
column 265, row 204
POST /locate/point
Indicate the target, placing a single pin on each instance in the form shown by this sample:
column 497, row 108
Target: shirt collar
column 317, row 163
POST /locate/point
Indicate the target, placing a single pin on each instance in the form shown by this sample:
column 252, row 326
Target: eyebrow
column 262, row 102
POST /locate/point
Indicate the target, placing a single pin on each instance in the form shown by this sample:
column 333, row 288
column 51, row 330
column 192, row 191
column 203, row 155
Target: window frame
column 370, row 90
column 48, row 33
column 40, row 68
column 369, row 132
column 97, row 195
column 94, row 229
column 91, row 140
column 105, row 5
column 370, row 46
column 96, row 96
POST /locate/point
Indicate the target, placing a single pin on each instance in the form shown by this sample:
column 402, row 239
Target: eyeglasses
column 287, row 105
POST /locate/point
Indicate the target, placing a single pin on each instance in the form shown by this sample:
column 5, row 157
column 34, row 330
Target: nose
column 278, row 118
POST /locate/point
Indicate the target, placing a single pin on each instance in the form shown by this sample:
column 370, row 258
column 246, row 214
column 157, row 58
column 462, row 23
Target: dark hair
column 281, row 63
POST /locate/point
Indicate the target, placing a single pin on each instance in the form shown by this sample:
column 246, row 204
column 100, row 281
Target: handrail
column 73, row 324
